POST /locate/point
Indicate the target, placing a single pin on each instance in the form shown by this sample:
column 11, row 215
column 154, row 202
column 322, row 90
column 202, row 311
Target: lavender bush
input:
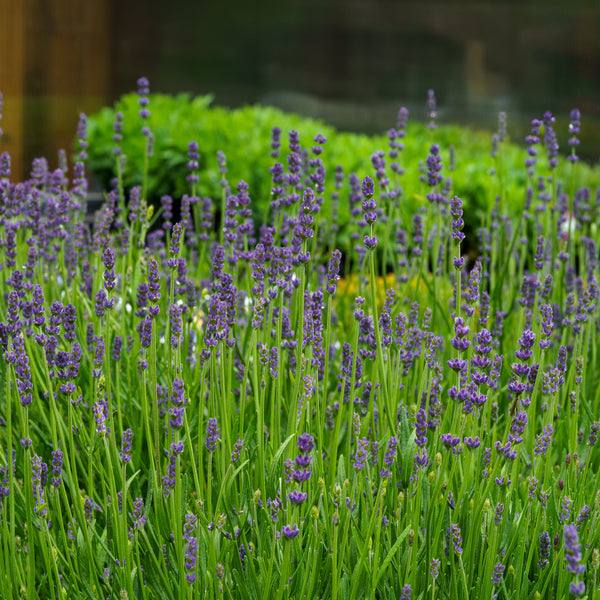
column 197, row 413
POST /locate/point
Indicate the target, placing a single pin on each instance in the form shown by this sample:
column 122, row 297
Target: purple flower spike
column 37, row 466
column 213, row 434
column 574, row 126
column 125, row 453
column 290, row 532
column 573, row 550
column 544, row 549
column 305, row 443
column 57, row 464
column 333, row 272
column 176, row 325
column 577, row 589
column 237, row 450
column 457, row 224
column 370, row 242
column 297, row 497
column 361, row 454
column 434, row 178
column 543, row 440
column 137, row 515
column 497, row 574
column 143, row 91
column 453, row 534
column 368, row 188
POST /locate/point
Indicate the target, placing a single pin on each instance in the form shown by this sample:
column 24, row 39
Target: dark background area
column 352, row 63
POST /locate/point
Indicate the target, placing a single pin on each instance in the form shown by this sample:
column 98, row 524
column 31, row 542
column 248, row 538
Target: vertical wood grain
column 12, row 81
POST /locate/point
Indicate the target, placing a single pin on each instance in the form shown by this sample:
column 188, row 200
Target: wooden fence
column 54, row 63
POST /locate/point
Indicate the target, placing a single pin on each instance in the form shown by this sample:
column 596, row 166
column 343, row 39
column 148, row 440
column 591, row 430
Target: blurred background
column 352, row 63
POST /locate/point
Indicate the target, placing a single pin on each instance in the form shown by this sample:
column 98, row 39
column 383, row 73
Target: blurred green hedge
column 244, row 135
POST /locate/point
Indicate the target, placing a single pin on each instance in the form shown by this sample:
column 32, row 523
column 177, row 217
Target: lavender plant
column 246, row 411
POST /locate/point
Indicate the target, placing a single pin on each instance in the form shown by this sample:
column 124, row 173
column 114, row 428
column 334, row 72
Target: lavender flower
column 237, row 450
column 361, row 454
column 191, row 551
column 297, row 497
column 369, row 207
column 213, row 435
column 176, row 325
column 434, row 166
column 303, row 471
column 526, row 342
column 40, row 508
column 550, row 140
column 89, row 506
column 544, row 549
column 169, row 479
column 143, row 91
column 390, row 455
column 118, row 133
column 333, row 271
column 192, row 165
column 577, row 589
column 543, row 440
column 574, row 126
column 460, row 341
column 434, row 568
column 125, row 453
column 20, row 361
column 137, row 515
column 573, row 550
column 497, row 574
column 109, row 276
column 453, row 534
column 593, row 437
column 57, row 464
column 275, row 142
column 583, row 516
column 290, row 532
column 533, row 140
column 457, row 223
column 498, row 513
column 100, row 410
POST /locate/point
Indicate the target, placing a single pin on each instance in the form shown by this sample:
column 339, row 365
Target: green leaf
column 390, row 555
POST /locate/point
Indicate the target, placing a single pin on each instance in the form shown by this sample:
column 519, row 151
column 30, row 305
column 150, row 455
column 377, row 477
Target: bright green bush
column 244, row 135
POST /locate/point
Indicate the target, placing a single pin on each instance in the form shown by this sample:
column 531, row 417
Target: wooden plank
column 12, row 82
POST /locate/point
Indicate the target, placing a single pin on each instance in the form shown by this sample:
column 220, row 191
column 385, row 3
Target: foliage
column 244, row 135
column 201, row 411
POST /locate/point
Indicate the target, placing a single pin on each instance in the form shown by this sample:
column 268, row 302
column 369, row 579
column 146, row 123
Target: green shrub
column 244, row 135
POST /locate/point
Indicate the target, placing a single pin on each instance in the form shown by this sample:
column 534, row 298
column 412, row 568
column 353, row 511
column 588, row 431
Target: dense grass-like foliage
column 190, row 411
